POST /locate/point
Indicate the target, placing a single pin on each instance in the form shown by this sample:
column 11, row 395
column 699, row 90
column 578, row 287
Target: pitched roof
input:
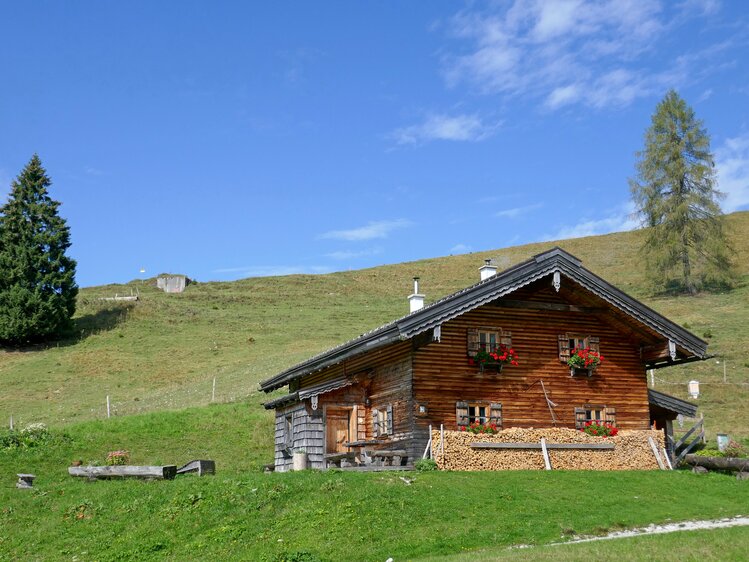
column 668, row 402
column 483, row 292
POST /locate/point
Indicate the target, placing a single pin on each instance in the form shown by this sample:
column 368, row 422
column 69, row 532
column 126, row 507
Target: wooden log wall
column 383, row 378
column 442, row 374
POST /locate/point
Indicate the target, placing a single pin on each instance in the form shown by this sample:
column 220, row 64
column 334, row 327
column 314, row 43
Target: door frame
column 352, row 422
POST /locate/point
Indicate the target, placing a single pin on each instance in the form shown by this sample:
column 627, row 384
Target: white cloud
column 446, row 127
column 619, row 219
column 376, row 229
column 460, row 249
column 348, row 255
column 517, row 211
column 732, row 163
column 273, row 270
column 596, row 53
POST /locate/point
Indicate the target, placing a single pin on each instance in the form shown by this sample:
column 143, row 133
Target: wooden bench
column 25, row 481
column 340, row 460
column 389, row 457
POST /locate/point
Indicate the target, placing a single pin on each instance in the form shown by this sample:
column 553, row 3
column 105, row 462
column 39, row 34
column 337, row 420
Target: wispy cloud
column 273, row 270
column 596, row 53
column 462, row 127
column 91, row 171
column 460, row 249
column 619, row 219
column 372, row 230
column 517, row 211
column 732, row 162
column 349, row 255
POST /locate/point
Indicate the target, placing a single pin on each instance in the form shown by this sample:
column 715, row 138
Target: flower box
column 577, row 372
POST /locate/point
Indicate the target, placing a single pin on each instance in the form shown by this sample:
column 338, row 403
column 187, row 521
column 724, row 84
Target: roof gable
column 546, row 264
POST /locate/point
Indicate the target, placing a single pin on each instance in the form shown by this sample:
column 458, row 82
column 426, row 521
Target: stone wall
column 631, row 451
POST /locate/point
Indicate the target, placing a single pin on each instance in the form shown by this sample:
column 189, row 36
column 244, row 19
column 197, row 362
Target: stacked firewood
column 632, row 450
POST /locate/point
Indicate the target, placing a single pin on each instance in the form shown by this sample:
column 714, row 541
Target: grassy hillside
column 164, row 351
column 242, row 514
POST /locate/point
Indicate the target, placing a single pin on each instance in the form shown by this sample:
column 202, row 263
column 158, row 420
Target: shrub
column 118, row 458
column 33, row 435
column 425, row 465
column 734, row 449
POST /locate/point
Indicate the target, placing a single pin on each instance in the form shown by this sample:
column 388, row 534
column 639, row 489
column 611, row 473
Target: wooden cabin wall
column 442, row 374
column 383, row 377
column 307, row 429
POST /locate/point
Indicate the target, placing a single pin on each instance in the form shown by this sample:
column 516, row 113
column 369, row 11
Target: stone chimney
column 487, row 270
column 416, row 301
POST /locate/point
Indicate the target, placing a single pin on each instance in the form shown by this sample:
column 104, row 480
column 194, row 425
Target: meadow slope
column 164, row 351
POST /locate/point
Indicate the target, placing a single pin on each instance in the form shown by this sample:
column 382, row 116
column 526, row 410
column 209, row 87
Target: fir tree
column 37, row 279
column 686, row 246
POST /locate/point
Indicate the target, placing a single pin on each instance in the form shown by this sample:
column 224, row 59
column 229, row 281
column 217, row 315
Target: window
column 469, row 412
column 382, row 421
column 592, row 412
column 288, row 431
column 487, row 339
column 569, row 342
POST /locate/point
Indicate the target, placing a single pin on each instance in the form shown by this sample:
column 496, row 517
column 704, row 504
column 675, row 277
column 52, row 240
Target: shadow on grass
column 102, row 320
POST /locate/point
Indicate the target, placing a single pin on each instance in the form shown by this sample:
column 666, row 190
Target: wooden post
column 213, row 390
column 108, row 410
column 428, row 449
column 547, row 460
column 655, row 452
column 11, row 422
column 442, row 441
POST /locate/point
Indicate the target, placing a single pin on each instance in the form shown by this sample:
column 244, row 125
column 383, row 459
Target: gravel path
column 737, row 521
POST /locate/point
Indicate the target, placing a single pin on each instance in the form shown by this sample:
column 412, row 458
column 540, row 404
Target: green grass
column 242, row 513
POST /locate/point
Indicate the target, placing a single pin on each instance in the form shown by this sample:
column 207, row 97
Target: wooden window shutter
column 375, row 422
column 594, row 344
column 564, row 348
column 579, row 417
column 496, row 413
column 505, row 338
column 609, row 415
column 473, row 342
column 390, row 419
column 461, row 413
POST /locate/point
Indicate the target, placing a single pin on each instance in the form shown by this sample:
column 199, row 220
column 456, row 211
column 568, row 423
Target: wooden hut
column 375, row 396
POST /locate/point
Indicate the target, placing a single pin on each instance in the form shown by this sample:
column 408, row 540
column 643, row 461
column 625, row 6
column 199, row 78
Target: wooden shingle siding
column 307, row 435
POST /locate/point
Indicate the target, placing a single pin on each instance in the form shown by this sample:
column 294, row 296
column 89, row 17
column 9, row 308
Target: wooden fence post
column 11, row 422
column 213, row 390
column 108, row 410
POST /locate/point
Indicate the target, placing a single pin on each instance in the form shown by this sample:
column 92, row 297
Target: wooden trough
column 167, row 472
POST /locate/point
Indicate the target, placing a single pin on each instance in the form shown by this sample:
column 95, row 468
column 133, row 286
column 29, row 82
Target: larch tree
column 37, row 279
column 675, row 193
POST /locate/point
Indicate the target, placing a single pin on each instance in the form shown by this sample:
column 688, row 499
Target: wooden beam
column 167, row 472
column 559, row 307
column 657, row 455
column 574, row 446
column 547, row 460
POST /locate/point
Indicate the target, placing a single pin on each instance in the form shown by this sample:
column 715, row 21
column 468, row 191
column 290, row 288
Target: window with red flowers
column 487, row 339
column 468, row 412
column 570, row 341
column 594, row 412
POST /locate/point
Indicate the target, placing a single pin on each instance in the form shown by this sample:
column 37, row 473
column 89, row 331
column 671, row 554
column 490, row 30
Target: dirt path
column 737, row 521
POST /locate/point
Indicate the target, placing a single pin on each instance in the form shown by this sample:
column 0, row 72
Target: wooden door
column 337, row 423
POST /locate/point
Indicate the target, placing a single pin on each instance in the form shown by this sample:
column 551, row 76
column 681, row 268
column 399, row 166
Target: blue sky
column 232, row 139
